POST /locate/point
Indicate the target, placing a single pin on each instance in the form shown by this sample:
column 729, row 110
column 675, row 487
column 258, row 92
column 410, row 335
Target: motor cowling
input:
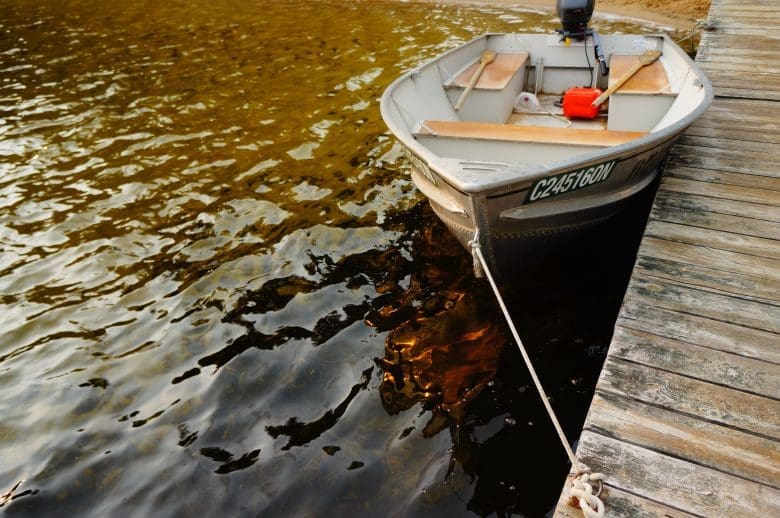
column 575, row 15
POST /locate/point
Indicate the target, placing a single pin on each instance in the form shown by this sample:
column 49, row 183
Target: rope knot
column 582, row 490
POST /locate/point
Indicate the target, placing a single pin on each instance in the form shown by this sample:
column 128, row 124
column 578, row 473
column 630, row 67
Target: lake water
column 221, row 294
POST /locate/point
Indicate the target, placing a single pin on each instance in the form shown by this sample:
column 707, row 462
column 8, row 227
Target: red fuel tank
column 577, row 102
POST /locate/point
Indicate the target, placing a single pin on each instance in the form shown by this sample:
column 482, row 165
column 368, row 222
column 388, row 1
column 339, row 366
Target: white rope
column 699, row 26
column 548, row 111
column 591, row 505
column 562, row 119
column 696, row 28
column 581, row 489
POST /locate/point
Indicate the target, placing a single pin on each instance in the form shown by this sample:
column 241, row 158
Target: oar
column 487, row 57
column 648, row 57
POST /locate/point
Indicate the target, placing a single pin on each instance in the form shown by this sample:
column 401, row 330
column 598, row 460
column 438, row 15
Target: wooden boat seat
column 651, row 79
column 496, row 74
column 535, row 134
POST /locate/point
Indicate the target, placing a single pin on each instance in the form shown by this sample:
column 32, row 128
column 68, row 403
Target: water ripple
column 200, row 214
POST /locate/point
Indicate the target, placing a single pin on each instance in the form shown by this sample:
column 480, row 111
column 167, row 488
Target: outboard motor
column 575, row 15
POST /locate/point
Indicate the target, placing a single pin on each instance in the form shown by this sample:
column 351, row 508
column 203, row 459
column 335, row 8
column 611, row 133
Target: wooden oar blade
column 488, row 56
column 649, row 56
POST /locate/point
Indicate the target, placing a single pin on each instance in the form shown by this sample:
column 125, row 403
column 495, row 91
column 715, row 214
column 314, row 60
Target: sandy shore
column 678, row 14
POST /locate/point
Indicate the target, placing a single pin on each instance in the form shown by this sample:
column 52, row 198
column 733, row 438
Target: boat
column 516, row 137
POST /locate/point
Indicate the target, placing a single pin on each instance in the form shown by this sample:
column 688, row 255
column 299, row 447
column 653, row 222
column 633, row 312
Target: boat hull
column 505, row 223
column 504, row 179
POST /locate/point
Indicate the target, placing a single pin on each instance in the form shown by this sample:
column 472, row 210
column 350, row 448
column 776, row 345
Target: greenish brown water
column 221, row 293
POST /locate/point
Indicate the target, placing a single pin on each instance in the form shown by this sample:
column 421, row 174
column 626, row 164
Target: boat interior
column 515, row 103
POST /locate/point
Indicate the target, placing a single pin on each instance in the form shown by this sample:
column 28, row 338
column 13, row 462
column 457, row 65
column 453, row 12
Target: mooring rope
column 699, row 26
column 581, row 489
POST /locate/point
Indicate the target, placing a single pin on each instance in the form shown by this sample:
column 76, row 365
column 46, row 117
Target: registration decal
column 558, row 184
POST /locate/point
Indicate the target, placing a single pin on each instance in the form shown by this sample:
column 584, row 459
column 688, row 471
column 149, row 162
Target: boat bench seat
column 534, row 134
column 496, row 75
column 642, row 100
column 650, row 79
column 495, row 90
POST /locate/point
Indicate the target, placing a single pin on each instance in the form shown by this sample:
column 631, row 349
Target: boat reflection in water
column 446, row 341
column 442, row 357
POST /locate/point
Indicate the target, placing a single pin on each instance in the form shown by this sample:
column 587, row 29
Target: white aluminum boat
column 503, row 163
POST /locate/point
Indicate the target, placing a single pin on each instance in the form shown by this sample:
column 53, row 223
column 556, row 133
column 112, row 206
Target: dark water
column 220, row 292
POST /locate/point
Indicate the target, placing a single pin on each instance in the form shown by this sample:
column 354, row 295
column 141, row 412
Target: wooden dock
column 685, row 420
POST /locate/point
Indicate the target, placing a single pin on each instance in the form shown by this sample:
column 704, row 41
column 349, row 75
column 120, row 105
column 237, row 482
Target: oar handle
column 646, row 58
column 470, row 86
column 620, row 82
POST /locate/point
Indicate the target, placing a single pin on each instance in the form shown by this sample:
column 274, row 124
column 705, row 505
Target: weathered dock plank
column 722, row 368
column 757, row 212
column 747, row 456
column 766, row 183
column 735, row 409
column 722, row 261
column 701, row 331
column 675, row 210
column 623, row 504
column 717, row 280
column 676, row 483
column 722, row 191
column 726, row 160
column 685, row 420
column 720, row 142
column 716, row 240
